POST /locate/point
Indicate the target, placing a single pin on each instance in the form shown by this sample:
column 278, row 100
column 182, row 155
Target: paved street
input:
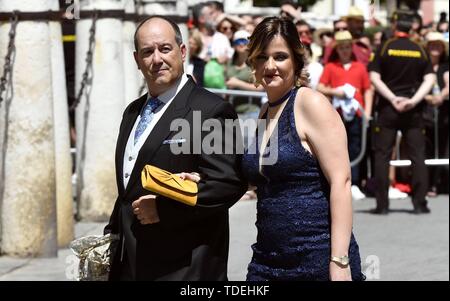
column 400, row 246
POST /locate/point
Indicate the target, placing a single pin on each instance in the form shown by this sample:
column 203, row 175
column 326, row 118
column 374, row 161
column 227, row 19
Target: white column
column 341, row 7
column 156, row 7
column 63, row 160
column 364, row 5
column 3, row 48
column 29, row 206
column 96, row 144
column 440, row 6
column 323, row 9
column 231, row 4
column 133, row 77
column 391, row 7
column 182, row 11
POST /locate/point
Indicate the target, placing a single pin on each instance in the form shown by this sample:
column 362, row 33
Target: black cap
column 404, row 19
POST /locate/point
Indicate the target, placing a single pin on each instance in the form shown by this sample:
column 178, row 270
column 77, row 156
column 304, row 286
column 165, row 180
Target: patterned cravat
column 146, row 117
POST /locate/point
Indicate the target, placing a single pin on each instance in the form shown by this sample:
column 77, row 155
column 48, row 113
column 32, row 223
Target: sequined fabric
column 95, row 254
column 293, row 212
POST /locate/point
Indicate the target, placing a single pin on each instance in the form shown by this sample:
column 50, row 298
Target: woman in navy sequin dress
column 304, row 210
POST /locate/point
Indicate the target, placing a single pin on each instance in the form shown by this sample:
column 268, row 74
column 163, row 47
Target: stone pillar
column 28, row 214
column 230, row 5
column 63, row 159
column 182, row 11
column 133, row 77
column 391, row 7
column 4, row 28
column 98, row 116
column 427, row 8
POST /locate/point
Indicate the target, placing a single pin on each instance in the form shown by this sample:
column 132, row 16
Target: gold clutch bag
column 169, row 185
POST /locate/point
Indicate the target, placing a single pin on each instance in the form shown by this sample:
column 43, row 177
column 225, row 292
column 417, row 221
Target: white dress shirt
column 132, row 150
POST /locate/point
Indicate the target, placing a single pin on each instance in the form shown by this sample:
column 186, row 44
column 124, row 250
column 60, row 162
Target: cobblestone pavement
column 399, row 246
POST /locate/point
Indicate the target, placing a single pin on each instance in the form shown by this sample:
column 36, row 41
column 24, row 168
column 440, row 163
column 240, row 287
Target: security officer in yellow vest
column 402, row 75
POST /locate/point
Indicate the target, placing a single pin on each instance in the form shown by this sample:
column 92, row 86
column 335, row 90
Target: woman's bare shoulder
column 311, row 101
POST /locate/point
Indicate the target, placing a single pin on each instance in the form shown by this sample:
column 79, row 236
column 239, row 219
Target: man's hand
column 409, row 105
column 406, row 105
column 145, row 209
column 400, row 103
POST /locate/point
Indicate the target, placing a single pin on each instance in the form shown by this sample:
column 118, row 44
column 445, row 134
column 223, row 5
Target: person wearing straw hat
column 355, row 24
column 437, row 102
column 402, row 75
column 347, row 82
column 355, row 21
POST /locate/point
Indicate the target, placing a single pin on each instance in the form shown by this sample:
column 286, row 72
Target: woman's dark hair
column 443, row 59
column 264, row 34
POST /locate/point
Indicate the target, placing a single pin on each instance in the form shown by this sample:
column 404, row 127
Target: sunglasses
column 239, row 42
column 226, row 28
column 340, row 29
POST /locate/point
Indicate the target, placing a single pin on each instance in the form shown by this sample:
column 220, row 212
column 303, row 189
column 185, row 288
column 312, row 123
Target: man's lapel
column 128, row 122
column 178, row 108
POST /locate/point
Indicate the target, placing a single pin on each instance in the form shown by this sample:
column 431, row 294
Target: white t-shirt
column 216, row 46
column 315, row 70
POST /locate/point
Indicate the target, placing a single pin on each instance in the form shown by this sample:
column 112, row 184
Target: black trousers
column 411, row 125
column 126, row 273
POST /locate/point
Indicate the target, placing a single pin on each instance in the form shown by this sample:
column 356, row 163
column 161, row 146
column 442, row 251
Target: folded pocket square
column 169, row 185
column 173, row 141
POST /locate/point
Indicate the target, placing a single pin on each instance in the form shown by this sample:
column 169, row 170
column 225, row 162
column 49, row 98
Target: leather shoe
column 379, row 211
column 421, row 210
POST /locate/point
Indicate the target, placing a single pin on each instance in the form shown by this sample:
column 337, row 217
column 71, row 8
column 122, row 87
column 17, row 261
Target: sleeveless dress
column 293, row 212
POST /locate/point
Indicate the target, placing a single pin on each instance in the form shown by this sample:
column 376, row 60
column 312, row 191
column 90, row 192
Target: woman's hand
column 193, row 176
column 340, row 273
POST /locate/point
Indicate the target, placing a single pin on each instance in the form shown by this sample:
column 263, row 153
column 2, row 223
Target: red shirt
column 334, row 75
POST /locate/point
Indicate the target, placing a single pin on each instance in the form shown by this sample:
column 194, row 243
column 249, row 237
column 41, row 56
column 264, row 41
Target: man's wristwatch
column 342, row 260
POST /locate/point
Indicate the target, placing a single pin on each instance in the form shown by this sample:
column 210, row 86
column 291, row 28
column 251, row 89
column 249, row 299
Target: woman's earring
column 298, row 82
